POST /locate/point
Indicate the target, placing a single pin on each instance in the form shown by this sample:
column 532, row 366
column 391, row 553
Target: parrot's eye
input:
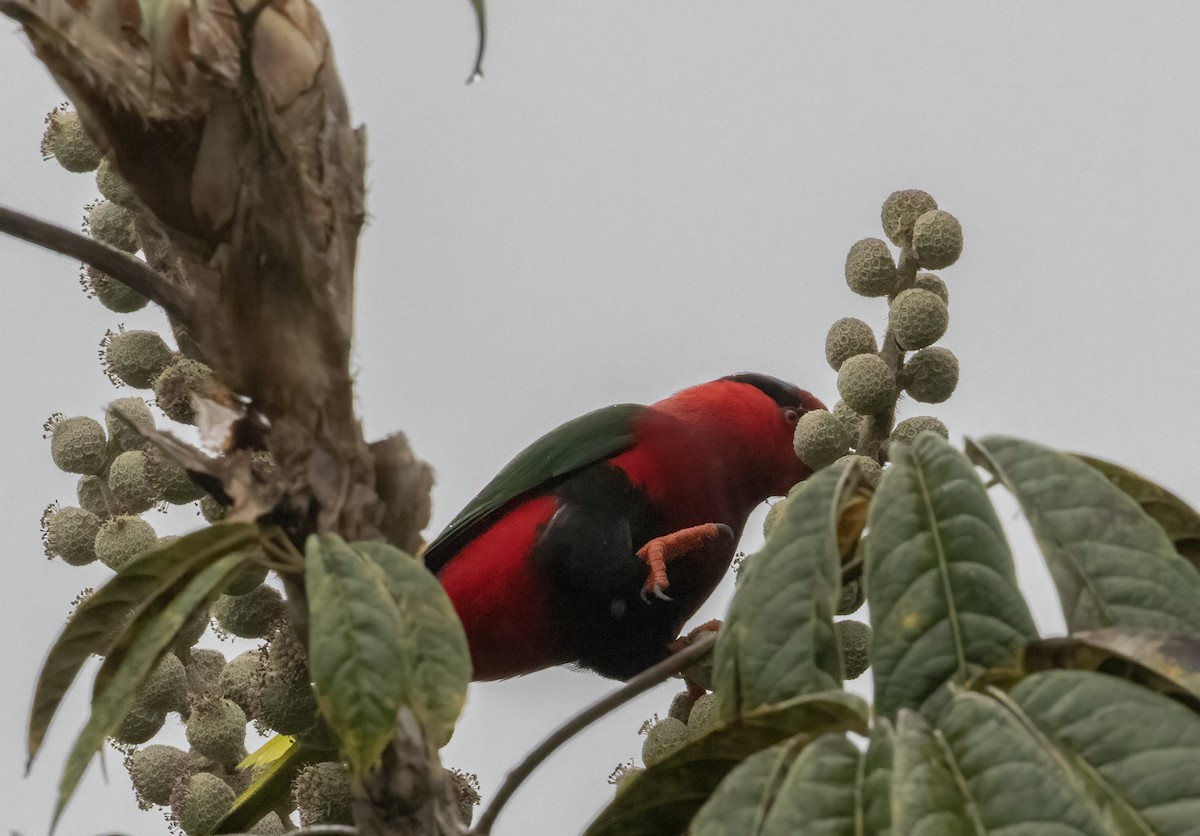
column 791, row 415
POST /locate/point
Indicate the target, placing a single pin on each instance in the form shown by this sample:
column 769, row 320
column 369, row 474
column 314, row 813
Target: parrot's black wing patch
column 576, row 444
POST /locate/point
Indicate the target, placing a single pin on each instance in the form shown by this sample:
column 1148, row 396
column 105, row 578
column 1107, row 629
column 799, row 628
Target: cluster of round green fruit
column 871, row 377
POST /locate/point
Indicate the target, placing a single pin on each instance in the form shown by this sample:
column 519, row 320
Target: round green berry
column 681, row 706
column 190, row 633
column 92, row 493
column 154, row 771
column 930, row 282
column 135, row 410
column 910, row 428
column 211, row 510
column 900, row 212
column 113, row 186
column 129, row 483
column 866, row 384
column 78, row 445
column 870, row 270
column 66, row 141
column 216, row 729
column 283, row 698
column 930, row 375
column 849, row 417
column 322, row 794
column 867, row 466
column 70, row 533
column 110, row 224
column 135, row 358
column 704, row 716
column 774, row 514
column 199, row 803
column 170, row 479
column 918, row 318
column 848, row 337
column 204, row 667
column 663, row 739
column 246, row 578
column 853, row 596
column 626, row 777
column 166, row 687
column 249, row 616
column 123, row 538
column 821, row 438
column 855, row 639
column 937, row 239
column 269, row 825
column 114, row 295
column 236, row 681
column 140, row 724
column 175, row 385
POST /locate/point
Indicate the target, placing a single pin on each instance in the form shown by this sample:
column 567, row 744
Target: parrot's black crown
column 782, row 393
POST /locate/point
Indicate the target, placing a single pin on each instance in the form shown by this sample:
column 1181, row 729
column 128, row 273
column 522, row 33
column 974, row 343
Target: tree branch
column 124, row 268
column 644, row 681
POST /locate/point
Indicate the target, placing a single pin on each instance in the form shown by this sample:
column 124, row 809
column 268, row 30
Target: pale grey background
column 644, row 195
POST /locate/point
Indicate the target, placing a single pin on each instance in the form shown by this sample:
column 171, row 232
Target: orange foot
column 658, row 551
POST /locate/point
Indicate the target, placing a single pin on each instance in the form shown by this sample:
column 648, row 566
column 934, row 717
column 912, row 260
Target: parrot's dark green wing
column 576, row 444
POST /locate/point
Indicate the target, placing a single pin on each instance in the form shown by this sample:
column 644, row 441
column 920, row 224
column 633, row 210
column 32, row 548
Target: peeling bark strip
column 228, row 120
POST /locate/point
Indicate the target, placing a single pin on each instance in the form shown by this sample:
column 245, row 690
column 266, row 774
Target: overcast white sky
column 644, row 195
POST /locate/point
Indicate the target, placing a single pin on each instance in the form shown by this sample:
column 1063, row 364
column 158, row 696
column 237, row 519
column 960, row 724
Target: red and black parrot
column 597, row 543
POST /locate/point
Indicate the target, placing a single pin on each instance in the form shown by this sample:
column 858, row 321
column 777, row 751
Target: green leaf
column 273, row 786
column 1180, row 520
column 778, row 640
column 940, row 579
column 1139, row 751
column 433, row 640
column 1113, row 565
column 130, row 593
column 1163, row 662
column 876, row 780
column 662, row 800
column 356, row 654
column 820, row 796
column 980, row 771
column 151, row 636
column 741, row 803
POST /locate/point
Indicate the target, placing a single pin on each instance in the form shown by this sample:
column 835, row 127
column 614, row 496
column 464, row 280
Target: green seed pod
column 624, row 777
column 283, row 698
column 269, row 825
column 249, row 616
column 853, row 596
column 216, row 729
column 91, row 493
column 855, row 638
column 246, row 579
column 664, row 738
column 140, row 724
column 466, row 793
column 866, row 384
column 700, row 673
column 109, row 224
column 930, row 375
column 937, row 239
column 211, row 510
column 123, row 538
column 681, row 706
column 190, row 633
column 774, row 513
column 900, row 212
column 70, row 533
column 704, row 716
column 204, row 667
column 870, row 270
column 850, row 418
column 165, row 689
column 129, row 483
column 170, row 479
column 910, row 428
column 66, row 141
column 867, row 466
column 236, row 681
column 112, row 186
column 135, row 358
column 77, row 445
column 114, row 295
column 930, row 282
column 175, row 385
column 154, row 771
column 821, row 438
column 918, row 318
column 322, row 794
column 137, row 411
column 200, row 802
column 848, row 337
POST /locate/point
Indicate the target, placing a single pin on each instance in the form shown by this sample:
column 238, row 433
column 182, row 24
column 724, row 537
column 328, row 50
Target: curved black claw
column 724, row 529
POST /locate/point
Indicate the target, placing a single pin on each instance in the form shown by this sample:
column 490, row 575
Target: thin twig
column 319, row 830
column 644, row 681
column 121, row 266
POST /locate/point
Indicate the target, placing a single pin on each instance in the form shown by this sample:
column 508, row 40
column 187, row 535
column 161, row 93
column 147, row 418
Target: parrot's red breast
column 545, row 571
